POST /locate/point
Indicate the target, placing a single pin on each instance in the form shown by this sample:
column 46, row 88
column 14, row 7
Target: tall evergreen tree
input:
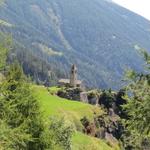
column 20, row 110
column 138, row 109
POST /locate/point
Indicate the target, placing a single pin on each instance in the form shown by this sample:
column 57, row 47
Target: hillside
column 53, row 106
column 99, row 36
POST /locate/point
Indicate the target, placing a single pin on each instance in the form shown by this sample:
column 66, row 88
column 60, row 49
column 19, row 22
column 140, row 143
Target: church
column 73, row 81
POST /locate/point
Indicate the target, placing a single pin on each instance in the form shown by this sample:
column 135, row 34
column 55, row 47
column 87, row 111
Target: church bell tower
column 73, row 76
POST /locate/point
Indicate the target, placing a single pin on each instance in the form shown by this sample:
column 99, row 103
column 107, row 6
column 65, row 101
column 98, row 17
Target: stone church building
column 73, row 81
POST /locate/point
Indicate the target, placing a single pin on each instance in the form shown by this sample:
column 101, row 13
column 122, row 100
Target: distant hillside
column 99, row 36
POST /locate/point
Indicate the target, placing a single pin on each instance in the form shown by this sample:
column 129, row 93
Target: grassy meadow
column 72, row 112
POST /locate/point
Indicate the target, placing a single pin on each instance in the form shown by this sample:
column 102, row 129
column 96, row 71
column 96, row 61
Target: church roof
column 67, row 81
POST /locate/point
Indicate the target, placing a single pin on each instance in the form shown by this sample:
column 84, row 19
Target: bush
column 60, row 133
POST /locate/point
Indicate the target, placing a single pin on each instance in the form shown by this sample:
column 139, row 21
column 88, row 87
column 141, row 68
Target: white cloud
column 141, row 7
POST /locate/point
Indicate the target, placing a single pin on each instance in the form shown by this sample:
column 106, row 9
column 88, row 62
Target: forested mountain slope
column 99, row 36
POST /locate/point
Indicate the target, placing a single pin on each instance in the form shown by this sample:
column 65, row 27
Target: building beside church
column 73, row 81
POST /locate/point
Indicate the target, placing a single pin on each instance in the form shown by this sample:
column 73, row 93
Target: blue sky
column 141, row 7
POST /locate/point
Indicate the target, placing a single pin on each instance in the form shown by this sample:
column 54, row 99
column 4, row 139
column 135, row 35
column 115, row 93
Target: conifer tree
column 20, row 110
column 138, row 109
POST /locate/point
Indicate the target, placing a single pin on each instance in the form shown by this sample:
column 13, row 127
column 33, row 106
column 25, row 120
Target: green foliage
column 146, row 56
column 138, row 110
column 107, row 98
column 12, row 138
column 5, row 44
column 53, row 90
column 4, row 23
column 20, row 112
column 61, row 133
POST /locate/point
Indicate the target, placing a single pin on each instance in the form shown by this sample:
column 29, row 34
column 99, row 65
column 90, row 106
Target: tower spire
column 73, row 76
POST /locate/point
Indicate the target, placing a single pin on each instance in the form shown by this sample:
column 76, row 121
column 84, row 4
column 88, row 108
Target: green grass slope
column 84, row 142
column 72, row 111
